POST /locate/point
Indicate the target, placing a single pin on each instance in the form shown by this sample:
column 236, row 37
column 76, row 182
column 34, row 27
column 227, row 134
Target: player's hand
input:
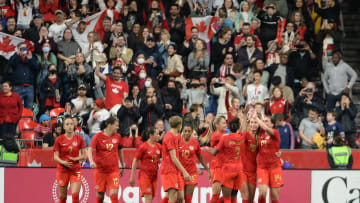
column 278, row 154
column 92, row 165
column 187, row 176
column 200, row 171
column 121, row 172
column 67, row 164
column 132, row 182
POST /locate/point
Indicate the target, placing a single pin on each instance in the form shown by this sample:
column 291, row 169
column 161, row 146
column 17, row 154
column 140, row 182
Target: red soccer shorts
column 216, row 174
column 232, row 180
column 109, row 180
column 249, row 177
column 147, row 185
column 193, row 179
column 172, row 181
column 63, row 178
column 271, row 177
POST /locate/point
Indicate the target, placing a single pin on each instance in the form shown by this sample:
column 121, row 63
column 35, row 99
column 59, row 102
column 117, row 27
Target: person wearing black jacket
column 50, row 90
column 32, row 33
column 242, row 55
column 172, row 102
column 128, row 115
column 346, row 114
column 283, row 70
column 176, row 24
column 151, row 108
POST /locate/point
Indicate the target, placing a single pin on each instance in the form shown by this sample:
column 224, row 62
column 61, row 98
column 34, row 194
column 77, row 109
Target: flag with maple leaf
column 206, row 26
column 8, row 44
column 91, row 22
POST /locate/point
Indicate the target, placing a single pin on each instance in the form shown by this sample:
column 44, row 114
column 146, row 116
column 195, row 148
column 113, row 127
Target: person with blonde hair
column 164, row 44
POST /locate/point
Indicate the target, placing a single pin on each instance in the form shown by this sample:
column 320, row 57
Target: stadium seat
column 27, row 114
column 54, row 113
column 26, row 125
column 28, row 135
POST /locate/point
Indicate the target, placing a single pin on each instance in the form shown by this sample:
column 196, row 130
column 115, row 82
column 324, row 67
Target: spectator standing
column 193, row 94
column 227, row 67
column 278, row 104
column 176, row 24
column 151, row 108
column 50, row 90
column 175, row 68
column 230, row 10
column 283, row 70
column 32, row 33
column 57, row 29
column 239, row 40
column 198, row 60
column 172, row 102
column 221, row 48
column 244, row 16
column 116, row 89
column 24, row 68
column 10, row 25
column 307, row 100
column 285, row 130
column 346, row 114
column 338, row 78
column 82, row 104
column 226, row 90
column 333, row 128
column 309, row 127
column 286, row 90
column 248, row 55
column 330, row 10
column 189, row 45
column 11, row 108
column 128, row 115
column 255, row 92
column 269, row 23
column 281, row 6
column 45, row 59
column 119, row 50
column 25, row 15
column 96, row 117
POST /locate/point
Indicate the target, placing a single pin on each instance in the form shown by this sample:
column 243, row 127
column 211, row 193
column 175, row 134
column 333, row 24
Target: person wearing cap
column 82, row 104
column 57, row 29
column 32, row 33
column 44, row 126
column 97, row 115
column 152, row 56
column 226, row 89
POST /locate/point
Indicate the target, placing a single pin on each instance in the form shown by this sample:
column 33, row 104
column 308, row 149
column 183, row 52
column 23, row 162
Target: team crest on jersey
column 74, row 144
column 157, row 151
column 149, row 190
column 61, row 181
column 267, row 138
column 97, row 187
column 191, row 147
column 114, row 141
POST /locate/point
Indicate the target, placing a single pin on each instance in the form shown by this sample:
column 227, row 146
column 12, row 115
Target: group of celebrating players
column 243, row 159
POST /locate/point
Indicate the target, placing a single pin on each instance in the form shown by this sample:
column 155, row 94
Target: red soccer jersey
column 170, row 142
column 106, row 154
column 149, row 157
column 69, row 148
column 268, row 146
column 216, row 161
column 249, row 154
column 231, row 145
column 115, row 92
column 188, row 153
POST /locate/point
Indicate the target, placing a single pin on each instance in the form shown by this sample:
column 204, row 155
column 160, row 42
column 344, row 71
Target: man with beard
column 248, row 55
column 176, row 24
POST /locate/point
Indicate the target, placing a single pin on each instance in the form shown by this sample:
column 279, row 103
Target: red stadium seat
column 54, row 113
column 27, row 114
column 26, row 125
column 28, row 135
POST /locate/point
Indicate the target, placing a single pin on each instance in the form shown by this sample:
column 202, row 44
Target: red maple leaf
column 5, row 45
column 202, row 26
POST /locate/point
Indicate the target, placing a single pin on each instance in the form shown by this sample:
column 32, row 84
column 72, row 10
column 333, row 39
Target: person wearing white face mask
column 45, row 59
column 142, row 79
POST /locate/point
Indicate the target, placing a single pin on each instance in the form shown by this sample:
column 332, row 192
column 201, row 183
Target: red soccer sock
column 165, row 200
column 63, row 199
column 214, row 198
column 114, row 198
column 99, row 200
column 275, row 201
column 188, row 198
column 245, row 201
column 233, row 200
column 261, row 200
column 227, row 199
column 221, row 200
column 75, row 198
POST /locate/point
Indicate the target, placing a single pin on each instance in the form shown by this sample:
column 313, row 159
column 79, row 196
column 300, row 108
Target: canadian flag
column 91, row 22
column 206, row 26
column 8, row 44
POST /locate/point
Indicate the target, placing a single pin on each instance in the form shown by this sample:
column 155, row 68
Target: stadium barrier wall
column 301, row 159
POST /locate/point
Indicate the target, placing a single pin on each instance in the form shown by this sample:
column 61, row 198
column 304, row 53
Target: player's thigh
column 113, row 191
column 263, row 189
column 180, row 196
column 245, row 191
column 189, row 189
column 274, row 193
column 62, row 191
column 226, row 191
column 148, row 198
column 216, row 187
column 75, row 187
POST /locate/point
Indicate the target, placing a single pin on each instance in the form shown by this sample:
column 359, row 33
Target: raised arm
column 98, row 73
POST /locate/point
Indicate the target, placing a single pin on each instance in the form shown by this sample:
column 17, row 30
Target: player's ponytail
column 234, row 125
column 109, row 121
column 146, row 134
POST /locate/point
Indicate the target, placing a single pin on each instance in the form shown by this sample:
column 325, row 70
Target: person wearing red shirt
column 69, row 150
column 215, row 164
column 116, row 88
column 232, row 111
column 248, row 158
column 149, row 153
column 107, row 146
column 269, row 171
column 230, row 145
column 189, row 151
column 278, row 104
column 11, row 108
column 171, row 168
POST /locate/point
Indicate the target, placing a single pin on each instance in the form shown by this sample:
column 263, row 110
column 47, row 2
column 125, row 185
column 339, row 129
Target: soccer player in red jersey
column 69, row 149
column 269, row 171
column 149, row 153
column 230, row 145
column 215, row 164
column 171, row 167
column 107, row 146
column 248, row 158
column 189, row 151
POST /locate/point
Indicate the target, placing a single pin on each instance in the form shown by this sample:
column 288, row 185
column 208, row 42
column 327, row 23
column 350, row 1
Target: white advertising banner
column 335, row 186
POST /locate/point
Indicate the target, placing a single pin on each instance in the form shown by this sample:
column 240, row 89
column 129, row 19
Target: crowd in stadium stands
column 143, row 61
